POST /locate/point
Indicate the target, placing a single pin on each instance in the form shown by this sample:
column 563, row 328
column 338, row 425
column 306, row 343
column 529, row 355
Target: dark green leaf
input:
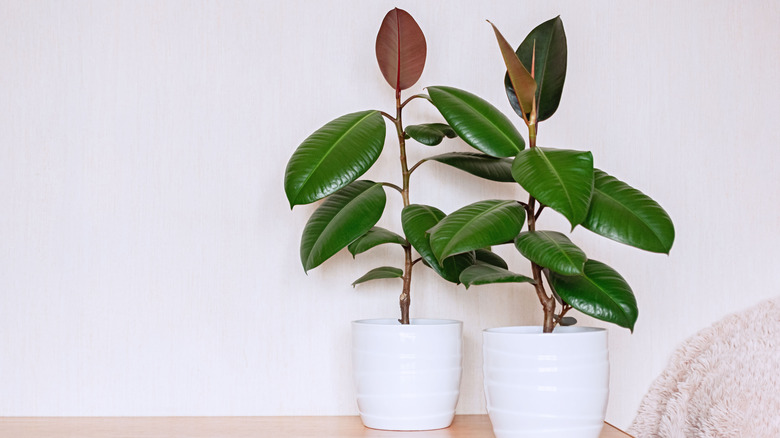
column 559, row 178
column 622, row 213
column 524, row 87
column 400, row 49
column 416, row 220
column 477, row 122
column 379, row 273
column 375, row 236
column 481, row 165
column 600, row 292
column 483, row 273
column 551, row 250
column 487, row 256
column 342, row 218
column 430, row 134
column 549, row 41
column 476, row 226
column 333, row 156
column 567, row 321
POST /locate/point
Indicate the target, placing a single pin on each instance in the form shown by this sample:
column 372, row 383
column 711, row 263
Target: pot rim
column 416, row 322
column 536, row 330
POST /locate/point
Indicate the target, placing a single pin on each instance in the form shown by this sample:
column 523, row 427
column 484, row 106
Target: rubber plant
column 562, row 180
column 329, row 163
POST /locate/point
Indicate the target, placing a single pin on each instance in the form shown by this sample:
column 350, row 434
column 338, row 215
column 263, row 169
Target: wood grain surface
column 475, row 426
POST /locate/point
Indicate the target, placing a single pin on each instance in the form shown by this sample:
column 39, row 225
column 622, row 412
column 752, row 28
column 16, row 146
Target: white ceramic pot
column 546, row 385
column 407, row 376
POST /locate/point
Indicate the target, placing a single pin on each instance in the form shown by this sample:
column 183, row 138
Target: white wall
column 149, row 262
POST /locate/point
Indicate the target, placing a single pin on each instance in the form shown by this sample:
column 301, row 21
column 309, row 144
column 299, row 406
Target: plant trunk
column 406, row 298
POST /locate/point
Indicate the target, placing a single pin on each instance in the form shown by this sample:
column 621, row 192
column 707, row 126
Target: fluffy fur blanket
column 722, row 382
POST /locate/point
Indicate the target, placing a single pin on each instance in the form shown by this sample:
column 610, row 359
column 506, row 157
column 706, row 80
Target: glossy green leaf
column 562, row 179
column 400, row 49
column 623, row 213
column 551, row 250
column 600, row 292
column 483, row 273
column 476, row 226
column 487, row 256
column 379, row 273
column 416, row 220
column 430, row 134
column 548, row 41
column 524, row 85
column 477, row 122
column 481, row 165
column 342, row 218
column 374, row 237
column 333, row 156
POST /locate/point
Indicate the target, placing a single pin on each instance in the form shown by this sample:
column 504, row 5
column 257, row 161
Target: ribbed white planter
column 407, row 376
column 546, row 385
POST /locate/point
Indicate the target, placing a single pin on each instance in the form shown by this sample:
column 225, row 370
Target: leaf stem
column 388, row 116
column 416, row 96
column 539, row 212
column 393, row 186
column 417, row 165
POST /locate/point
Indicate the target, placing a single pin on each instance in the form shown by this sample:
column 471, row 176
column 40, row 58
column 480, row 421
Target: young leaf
column 476, row 226
column 483, row 273
column 485, row 255
column 481, row 165
column 400, row 49
column 623, row 213
column 379, row 273
column 599, row 292
column 552, row 250
column 416, row 220
column 374, row 237
column 430, row 134
column 477, row 122
column 559, row 178
column 523, row 84
column 342, row 218
column 545, row 47
column 333, row 156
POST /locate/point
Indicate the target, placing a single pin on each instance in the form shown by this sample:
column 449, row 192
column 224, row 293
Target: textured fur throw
column 722, row 382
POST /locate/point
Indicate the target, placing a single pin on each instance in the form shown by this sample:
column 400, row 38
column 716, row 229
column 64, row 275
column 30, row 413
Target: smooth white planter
column 546, row 385
column 407, row 376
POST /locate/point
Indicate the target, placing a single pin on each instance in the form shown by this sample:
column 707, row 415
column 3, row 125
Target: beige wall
column 149, row 262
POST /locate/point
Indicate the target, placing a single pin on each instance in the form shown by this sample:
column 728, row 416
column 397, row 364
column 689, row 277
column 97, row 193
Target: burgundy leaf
column 400, row 49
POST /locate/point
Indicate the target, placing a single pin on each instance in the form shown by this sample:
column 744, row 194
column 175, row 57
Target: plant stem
column 548, row 302
column 405, row 299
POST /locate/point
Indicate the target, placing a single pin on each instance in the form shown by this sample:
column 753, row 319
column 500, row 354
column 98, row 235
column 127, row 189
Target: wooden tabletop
column 472, row 426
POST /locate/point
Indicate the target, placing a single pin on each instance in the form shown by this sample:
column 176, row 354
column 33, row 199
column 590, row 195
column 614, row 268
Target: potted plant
column 407, row 371
column 550, row 380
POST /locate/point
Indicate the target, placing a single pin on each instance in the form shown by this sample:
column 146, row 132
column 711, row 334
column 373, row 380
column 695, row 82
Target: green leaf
column 375, row 236
column 524, row 85
column 559, row 178
column 416, row 220
column 430, row 134
column 477, row 122
column 483, row 166
column 483, row 273
column 549, row 42
column 400, row 49
column 567, row 321
column 600, row 292
column 622, row 213
column 379, row 273
column 552, row 250
column 342, row 218
column 333, row 156
column 487, row 256
column 476, row 226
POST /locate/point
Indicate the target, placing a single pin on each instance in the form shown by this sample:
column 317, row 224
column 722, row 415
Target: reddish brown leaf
column 522, row 81
column 400, row 49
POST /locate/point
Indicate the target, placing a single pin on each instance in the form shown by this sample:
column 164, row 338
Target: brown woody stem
column 405, row 299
